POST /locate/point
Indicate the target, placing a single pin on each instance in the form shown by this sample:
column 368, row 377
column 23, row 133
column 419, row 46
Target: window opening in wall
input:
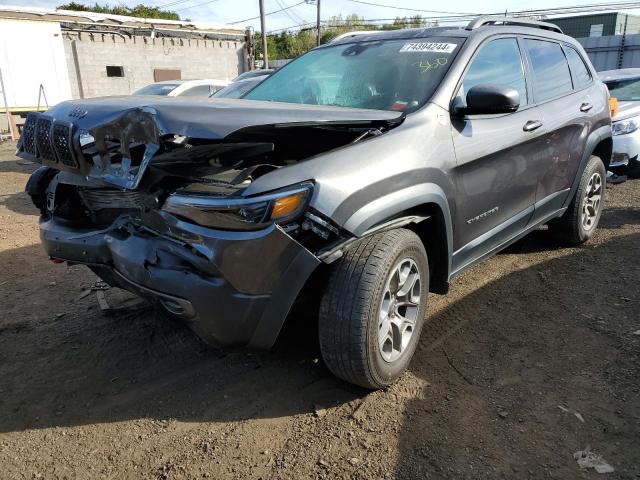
column 115, row 71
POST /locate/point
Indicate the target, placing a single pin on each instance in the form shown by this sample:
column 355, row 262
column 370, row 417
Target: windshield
column 396, row 75
column 625, row 90
column 157, row 89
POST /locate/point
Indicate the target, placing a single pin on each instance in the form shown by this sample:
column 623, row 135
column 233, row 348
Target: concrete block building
column 61, row 54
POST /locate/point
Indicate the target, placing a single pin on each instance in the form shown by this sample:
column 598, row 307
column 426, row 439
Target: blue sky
column 224, row 11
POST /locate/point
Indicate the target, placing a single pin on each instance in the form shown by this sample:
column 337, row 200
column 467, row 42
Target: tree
column 289, row 45
column 140, row 10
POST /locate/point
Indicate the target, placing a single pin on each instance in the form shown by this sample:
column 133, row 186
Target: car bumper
column 626, row 149
column 232, row 288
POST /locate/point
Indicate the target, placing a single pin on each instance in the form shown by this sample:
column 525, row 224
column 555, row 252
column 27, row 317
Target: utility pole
column 265, row 54
column 318, row 24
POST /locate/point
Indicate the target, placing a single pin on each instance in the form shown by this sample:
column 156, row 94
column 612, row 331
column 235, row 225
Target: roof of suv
column 480, row 24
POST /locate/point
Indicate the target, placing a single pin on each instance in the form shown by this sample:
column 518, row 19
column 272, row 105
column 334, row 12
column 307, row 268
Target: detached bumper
column 232, row 288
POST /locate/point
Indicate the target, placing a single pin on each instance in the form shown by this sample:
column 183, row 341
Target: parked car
column 624, row 86
column 260, row 72
column 183, row 88
column 240, row 88
column 436, row 149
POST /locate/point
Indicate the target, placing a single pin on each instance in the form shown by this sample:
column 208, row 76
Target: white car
column 624, row 85
column 184, row 88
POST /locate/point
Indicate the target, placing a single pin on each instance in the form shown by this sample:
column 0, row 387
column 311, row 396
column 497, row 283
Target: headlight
column 623, row 127
column 245, row 213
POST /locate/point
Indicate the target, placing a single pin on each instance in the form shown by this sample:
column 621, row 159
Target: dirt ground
column 533, row 355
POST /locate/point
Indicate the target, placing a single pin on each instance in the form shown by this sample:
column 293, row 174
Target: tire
column 361, row 285
column 633, row 169
column 581, row 219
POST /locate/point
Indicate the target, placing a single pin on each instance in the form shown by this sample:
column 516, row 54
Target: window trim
column 523, row 64
column 565, row 46
column 530, row 67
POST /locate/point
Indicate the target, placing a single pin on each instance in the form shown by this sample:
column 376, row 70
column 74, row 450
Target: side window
column 497, row 62
column 579, row 71
column 551, row 77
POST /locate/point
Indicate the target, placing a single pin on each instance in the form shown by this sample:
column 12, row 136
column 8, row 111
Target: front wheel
column 580, row 220
column 373, row 308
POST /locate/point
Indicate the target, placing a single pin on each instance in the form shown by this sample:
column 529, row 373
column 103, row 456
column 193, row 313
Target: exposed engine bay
column 127, row 163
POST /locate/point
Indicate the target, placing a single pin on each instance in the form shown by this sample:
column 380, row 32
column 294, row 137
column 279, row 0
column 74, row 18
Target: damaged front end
column 156, row 205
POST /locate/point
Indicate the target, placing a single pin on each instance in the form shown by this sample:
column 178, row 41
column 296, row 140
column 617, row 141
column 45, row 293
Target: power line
column 196, row 5
column 411, row 9
column 458, row 18
column 291, row 13
column 269, row 13
column 170, row 4
column 301, row 27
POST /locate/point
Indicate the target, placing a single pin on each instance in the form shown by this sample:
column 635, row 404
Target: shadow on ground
column 90, row 366
column 500, row 360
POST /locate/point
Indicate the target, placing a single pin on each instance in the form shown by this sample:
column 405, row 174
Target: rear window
column 580, row 72
column 198, row 91
column 551, row 77
column 157, row 89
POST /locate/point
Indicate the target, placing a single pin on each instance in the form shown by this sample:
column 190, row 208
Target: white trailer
column 32, row 61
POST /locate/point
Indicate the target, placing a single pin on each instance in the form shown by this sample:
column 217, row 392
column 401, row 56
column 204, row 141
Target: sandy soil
column 530, row 358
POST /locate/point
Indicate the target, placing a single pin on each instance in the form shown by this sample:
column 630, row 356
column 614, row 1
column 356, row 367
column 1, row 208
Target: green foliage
column 286, row 44
column 140, row 10
column 289, row 45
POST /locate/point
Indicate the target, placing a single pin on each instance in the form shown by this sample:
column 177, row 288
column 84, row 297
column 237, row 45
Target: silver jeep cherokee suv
column 380, row 167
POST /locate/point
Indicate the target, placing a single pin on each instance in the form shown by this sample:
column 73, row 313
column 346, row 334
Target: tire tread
column 346, row 302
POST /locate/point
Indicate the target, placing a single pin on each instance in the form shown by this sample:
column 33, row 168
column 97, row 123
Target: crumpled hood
column 210, row 119
column 112, row 140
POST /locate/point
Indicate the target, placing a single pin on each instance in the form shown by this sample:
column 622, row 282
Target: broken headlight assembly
column 245, row 213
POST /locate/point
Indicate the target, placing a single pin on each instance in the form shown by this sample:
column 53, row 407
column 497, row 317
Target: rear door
column 566, row 101
column 495, row 175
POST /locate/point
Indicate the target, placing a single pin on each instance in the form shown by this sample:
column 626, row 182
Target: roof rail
column 523, row 22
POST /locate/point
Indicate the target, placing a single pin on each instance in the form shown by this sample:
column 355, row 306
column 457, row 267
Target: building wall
column 583, row 26
column 610, row 53
column 139, row 56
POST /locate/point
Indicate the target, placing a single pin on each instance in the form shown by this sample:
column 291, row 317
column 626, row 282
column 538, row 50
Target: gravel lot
column 533, row 355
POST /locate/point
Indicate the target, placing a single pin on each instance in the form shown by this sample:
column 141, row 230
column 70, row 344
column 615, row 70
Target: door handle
column 532, row 125
column 585, row 107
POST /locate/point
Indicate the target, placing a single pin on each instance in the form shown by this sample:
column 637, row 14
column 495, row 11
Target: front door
column 495, row 177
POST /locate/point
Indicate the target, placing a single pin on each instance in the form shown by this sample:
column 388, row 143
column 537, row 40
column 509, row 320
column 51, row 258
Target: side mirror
column 488, row 99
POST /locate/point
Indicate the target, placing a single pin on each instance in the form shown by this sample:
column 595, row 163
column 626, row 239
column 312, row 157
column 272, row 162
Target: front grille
column 61, row 141
column 28, row 136
column 105, row 198
column 43, row 139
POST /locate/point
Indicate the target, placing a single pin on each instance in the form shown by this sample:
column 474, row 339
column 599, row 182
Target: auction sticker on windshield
column 429, row 47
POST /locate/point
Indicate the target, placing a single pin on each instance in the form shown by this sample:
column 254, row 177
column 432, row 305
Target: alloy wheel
column 592, row 201
column 399, row 310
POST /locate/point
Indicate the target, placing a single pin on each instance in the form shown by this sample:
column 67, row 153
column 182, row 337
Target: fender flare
column 388, row 206
column 597, row 136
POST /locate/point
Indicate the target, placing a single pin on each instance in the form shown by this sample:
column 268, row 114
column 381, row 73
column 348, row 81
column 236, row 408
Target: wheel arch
column 422, row 208
column 599, row 143
column 604, row 150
